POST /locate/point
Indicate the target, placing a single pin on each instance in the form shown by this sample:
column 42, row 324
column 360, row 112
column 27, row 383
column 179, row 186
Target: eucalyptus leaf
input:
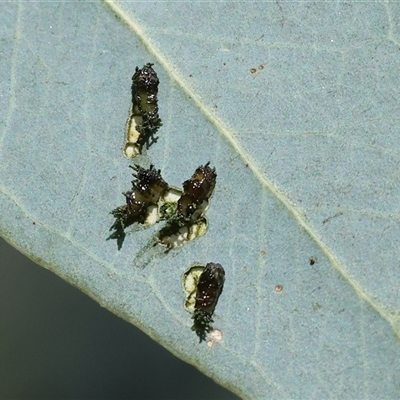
column 294, row 104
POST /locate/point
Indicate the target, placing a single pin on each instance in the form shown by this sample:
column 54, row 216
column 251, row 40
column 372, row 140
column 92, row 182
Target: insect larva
column 144, row 121
column 147, row 188
column 209, row 288
column 189, row 221
column 196, row 192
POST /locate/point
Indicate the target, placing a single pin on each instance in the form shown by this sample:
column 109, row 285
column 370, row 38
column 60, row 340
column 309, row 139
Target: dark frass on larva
column 144, row 121
column 209, row 288
column 141, row 202
column 189, row 221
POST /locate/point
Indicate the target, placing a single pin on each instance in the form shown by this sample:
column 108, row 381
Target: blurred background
column 57, row 343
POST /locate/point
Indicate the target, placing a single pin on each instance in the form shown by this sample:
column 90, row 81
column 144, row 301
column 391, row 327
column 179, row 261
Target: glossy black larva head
column 145, row 81
column 196, row 191
column 202, row 182
column 209, row 288
column 147, row 188
column 148, row 184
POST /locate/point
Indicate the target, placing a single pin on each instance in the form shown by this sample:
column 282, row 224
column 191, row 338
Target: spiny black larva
column 189, row 220
column 196, row 192
column 209, row 288
column 147, row 188
column 144, row 121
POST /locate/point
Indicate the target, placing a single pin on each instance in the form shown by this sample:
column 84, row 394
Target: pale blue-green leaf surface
column 297, row 106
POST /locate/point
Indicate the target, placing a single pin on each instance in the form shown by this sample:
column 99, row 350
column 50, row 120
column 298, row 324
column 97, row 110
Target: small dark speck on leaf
column 260, row 67
column 312, row 261
column 34, row 223
column 262, row 252
column 190, row 76
column 253, row 70
column 278, row 288
column 316, row 306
